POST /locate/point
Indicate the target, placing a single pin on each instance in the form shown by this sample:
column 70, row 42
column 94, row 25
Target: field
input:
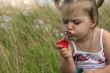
column 28, row 38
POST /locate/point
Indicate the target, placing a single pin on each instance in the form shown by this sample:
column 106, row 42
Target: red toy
column 64, row 43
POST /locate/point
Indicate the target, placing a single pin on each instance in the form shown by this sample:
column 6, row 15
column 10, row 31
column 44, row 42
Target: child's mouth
column 69, row 33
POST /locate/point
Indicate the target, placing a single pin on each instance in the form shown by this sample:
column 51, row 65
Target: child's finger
column 63, row 50
column 58, row 46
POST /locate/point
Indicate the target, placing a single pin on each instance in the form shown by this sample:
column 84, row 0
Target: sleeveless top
column 88, row 60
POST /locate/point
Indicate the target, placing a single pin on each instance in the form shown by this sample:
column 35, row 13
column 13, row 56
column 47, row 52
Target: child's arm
column 67, row 62
column 66, row 52
column 67, row 65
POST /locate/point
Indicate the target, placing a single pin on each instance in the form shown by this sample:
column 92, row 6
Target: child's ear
column 94, row 22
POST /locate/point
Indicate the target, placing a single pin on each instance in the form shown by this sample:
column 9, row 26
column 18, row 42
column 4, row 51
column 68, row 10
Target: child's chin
column 73, row 38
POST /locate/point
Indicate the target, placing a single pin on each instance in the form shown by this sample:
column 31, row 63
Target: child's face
column 77, row 24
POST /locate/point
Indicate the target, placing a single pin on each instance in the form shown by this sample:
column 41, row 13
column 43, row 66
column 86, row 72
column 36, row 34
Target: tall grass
column 27, row 39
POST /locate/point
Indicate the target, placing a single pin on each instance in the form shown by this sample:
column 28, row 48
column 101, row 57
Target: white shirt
column 87, row 60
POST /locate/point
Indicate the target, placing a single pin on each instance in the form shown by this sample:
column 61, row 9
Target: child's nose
column 70, row 26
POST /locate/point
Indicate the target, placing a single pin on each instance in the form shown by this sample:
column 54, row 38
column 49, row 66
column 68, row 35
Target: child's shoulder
column 106, row 34
column 106, row 37
column 106, row 43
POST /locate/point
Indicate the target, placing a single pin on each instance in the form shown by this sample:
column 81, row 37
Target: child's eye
column 76, row 22
column 65, row 21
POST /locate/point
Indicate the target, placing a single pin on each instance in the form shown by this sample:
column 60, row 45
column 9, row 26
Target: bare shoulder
column 106, row 37
column 106, row 43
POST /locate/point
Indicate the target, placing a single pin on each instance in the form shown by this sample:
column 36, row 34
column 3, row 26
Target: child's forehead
column 74, row 14
column 75, row 9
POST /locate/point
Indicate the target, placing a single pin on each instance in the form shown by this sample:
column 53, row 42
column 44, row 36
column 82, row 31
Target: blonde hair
column 57, row 2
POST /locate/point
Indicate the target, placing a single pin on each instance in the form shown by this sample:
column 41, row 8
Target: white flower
column 5, row 22
column 6, row 26
column 38, row 21
column 5, row 18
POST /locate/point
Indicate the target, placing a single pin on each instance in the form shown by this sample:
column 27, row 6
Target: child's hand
column 64, row 49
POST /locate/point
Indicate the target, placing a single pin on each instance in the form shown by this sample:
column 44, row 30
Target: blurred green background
column 28, row 38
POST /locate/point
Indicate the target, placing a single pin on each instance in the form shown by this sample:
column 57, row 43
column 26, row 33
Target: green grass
column 27, row 42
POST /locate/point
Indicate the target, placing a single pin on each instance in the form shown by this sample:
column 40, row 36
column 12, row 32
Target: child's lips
column 69, row 34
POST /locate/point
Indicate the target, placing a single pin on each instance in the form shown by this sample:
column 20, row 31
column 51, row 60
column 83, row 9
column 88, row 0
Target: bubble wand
column 64, row 43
